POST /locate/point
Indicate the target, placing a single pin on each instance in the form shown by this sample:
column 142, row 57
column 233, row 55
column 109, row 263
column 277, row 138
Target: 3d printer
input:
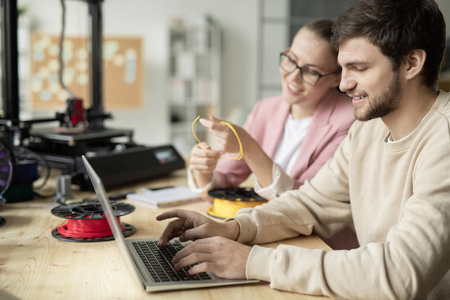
column 81, row 132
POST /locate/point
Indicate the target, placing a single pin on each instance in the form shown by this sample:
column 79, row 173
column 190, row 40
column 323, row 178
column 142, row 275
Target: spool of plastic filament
column 228, row 201
column 7, row 172
column 86, row 222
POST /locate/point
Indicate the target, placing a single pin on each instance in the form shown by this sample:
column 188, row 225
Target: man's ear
column 414, row 62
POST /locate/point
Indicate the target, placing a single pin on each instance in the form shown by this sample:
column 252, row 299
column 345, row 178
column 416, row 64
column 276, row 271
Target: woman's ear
column 337, row 81
column 414, row 63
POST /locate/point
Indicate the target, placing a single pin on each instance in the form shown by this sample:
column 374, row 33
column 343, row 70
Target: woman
column 286, row 139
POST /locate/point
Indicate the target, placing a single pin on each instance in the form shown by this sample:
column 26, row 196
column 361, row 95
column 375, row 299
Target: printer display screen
column 165, row 156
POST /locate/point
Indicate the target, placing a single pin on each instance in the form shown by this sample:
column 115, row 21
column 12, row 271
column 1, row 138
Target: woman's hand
column 203, row 163
column 203, row 159
column 224, row 138
column 256, row 158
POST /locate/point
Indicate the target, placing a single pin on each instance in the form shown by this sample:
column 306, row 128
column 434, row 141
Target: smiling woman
column 288, row 138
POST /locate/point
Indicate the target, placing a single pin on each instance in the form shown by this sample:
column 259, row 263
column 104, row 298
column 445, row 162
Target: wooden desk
column 34, row 265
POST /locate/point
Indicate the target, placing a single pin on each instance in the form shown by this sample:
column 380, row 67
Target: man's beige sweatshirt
column 398, row 196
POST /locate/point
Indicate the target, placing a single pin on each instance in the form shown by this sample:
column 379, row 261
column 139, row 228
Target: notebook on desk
column 151, row 266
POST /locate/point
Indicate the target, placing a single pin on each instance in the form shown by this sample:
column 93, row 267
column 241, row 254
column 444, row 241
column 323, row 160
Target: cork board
column 122, row 71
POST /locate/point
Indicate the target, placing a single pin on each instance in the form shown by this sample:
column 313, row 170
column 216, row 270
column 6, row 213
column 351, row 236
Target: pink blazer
column 329, row 125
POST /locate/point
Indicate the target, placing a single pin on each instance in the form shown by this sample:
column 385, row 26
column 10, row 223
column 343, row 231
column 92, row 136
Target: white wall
column 444, row 6
column 149, row 19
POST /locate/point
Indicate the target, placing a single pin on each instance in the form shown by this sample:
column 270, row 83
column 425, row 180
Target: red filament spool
column 86, row 221
column 87, row 228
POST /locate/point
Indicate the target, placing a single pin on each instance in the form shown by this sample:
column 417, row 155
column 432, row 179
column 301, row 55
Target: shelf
column 194, row 80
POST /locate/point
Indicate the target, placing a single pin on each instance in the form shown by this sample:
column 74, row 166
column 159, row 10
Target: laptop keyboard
column 159, row 262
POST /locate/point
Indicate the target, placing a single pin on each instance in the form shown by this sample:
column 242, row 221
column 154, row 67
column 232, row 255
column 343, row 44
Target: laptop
column 151, row 266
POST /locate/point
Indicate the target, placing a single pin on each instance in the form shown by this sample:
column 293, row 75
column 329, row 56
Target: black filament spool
column 90, row 210
column 233, row 193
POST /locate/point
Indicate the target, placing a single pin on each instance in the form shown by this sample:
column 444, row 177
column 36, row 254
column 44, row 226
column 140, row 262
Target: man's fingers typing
column 172, row 230
column 174, row 213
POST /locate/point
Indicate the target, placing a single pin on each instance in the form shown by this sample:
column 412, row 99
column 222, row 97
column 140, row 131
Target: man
column 391, row 175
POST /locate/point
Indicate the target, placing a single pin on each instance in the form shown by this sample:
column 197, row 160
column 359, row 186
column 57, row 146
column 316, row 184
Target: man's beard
column 384, row 103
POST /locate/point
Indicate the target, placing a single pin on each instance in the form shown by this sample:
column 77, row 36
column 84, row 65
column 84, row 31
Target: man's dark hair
column 397, row 27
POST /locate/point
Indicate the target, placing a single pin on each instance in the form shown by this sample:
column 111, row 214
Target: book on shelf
column 163, row 197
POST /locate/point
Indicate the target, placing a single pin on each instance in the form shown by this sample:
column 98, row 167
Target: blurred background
column 165, row 62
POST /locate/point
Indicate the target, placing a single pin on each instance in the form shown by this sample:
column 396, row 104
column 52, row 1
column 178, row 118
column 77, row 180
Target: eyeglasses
column 309, row 76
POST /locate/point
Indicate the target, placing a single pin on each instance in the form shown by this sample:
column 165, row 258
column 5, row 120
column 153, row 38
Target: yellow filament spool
column 228, row 201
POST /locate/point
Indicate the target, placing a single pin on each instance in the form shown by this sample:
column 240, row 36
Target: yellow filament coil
column 241, row 150
column 228, row 201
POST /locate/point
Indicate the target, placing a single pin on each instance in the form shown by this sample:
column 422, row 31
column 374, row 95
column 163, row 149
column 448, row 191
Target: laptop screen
column 112, row 221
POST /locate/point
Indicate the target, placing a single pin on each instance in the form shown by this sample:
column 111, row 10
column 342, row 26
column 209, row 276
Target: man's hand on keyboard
column 191, row 225
column 219, row 255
